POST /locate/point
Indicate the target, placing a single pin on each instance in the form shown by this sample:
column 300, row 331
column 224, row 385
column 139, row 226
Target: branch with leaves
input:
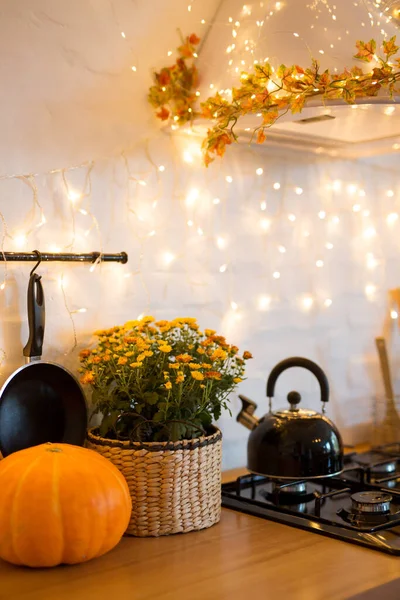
column 173, row 92
column 274, row 93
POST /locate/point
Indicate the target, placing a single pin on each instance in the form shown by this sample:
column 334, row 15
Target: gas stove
column 361, row 505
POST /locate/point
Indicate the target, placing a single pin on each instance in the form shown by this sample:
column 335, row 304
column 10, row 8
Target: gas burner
column 384, row 468
column 374, row 502
column 297, row 487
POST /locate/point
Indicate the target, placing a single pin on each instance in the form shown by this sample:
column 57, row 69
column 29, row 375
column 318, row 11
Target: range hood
column 294, row 32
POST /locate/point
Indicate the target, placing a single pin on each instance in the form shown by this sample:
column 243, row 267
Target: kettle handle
column 305, row 363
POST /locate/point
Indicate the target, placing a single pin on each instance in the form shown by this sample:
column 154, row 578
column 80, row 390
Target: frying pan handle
column 36, row 318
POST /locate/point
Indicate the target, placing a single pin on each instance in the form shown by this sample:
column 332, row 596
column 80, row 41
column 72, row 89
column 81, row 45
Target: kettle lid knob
column 294, row 398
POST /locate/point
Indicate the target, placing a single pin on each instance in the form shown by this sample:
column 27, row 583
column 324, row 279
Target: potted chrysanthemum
column 158, row 387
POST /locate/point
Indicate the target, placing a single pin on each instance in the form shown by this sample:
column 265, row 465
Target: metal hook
column 38, row 254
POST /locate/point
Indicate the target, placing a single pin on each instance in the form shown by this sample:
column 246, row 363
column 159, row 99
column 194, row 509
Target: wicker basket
column 175, row 486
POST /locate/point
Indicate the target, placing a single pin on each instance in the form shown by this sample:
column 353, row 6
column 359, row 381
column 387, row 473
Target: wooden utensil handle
column 384, row 363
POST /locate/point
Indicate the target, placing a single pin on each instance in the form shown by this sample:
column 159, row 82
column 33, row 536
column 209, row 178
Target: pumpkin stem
column 53, row 448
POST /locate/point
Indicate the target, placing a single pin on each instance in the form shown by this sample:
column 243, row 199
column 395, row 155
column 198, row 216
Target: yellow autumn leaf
column 366, row 50
column 261, row 136
column 297, row 103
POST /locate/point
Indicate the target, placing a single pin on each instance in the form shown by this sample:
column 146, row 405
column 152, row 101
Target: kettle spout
column 246, row 416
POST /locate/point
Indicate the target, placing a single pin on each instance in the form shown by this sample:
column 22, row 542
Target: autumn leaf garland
column 173, row 92
column 272, row 94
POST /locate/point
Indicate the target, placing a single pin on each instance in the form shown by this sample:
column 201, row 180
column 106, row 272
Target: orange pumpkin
column 60, row 504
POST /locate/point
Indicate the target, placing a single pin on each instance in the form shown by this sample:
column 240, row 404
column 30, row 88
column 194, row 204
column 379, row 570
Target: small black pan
column 41, row 401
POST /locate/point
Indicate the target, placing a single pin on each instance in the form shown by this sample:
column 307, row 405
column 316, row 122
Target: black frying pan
column 41, row 401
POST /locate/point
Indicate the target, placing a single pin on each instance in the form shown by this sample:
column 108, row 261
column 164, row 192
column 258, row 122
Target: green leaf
column 150, row 397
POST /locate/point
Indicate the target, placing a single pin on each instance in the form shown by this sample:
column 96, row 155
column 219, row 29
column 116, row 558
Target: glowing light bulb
column 221, row 243
column 276, row 275
column 20, row 240
column 328, row 302
column 394, row 314
column 389, row 110
column 216, row 201
column 390, row 193
column 73, row 196
column 62, row 280
column 265, row 224
column 337, row 185
column 392, row 218
column 307, row 302
column 319, row 263
column 190, row 223
column 371, row 261
column 234, row 306
column 259, row 171
column 351, row 189
column 3, row 285
column 306, row 234
column 264, row 302
column 223, row 268
column 356, row 208
column 134, row 68
column 362, row 193
column 366, row 212
column 370, row 232
column 322, row 214
column 168, row 257
column 299, row 191
column 396, row 146
column 192, row 196
column 200, row 231
column 263, row 205
column 161, row 168
column 370, row 289
column 335, row 220
column 142, row 183
column 282, row 249
column 328, row 245
column 277, row 186
column 187, row 157
column 151, row 233
column 81, row 310
column 292, row 217
column 123, row 34
column 228, row 179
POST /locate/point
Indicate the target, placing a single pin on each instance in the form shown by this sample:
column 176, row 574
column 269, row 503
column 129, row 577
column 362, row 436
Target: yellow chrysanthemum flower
column 209, row 332
column 194, row 366
column 237, row 380
column 141, row 356
column 129, row 354
column 197, row 375
column 168, row 385
column 122, row 360
column 201, row 351
column 165, row 348
column 218, row 354
column 88, row 377
column 173, row 366
column 185, row 358
column 180, row 379
column 206, row 366
column 148, row 319
column 134, row 365
column 148, row 353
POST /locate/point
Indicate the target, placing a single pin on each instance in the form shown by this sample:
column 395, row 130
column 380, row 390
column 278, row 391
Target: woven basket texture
column 175, row 486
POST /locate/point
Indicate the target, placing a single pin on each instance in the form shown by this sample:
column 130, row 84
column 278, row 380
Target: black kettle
column 294, row 443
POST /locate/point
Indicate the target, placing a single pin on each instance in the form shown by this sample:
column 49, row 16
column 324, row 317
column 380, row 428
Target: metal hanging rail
column 90, row 257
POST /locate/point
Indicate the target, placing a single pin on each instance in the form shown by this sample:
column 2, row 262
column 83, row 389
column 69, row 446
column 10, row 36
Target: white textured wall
column 68, row 95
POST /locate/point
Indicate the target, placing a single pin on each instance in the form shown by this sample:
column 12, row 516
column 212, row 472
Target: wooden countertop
column 237, row 559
